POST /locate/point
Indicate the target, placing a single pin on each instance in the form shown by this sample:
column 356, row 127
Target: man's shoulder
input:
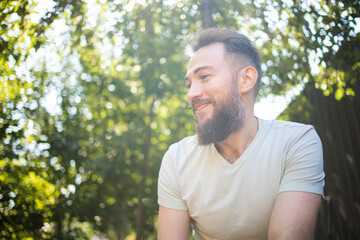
column 290, row 133
column 184, row 145
column 186, row 153
column 286, row 125
column 287, row 130
column 189, row 141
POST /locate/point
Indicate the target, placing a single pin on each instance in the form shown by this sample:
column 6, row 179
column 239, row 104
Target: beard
column 228, row 117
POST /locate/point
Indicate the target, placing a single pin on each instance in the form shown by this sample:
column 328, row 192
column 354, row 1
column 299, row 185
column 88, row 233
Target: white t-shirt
column 234, row 201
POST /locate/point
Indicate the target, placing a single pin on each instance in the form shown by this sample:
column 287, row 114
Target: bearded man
column 239, row 177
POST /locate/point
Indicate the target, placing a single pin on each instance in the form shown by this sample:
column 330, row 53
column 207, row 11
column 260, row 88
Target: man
column 240, row 177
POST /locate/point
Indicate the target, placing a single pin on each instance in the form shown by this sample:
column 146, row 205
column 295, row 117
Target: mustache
column 202, row 100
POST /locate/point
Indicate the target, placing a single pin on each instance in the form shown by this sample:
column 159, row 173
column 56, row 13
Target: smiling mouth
column 199, row 104
column 202, row 106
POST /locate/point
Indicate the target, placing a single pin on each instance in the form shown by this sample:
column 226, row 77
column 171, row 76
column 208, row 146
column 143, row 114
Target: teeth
column 202, row 106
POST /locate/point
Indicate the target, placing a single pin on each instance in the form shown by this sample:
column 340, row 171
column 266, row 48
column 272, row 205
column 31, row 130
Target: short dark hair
column 239, row 48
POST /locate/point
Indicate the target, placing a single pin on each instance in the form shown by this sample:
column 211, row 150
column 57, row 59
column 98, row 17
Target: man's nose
column 195, row 91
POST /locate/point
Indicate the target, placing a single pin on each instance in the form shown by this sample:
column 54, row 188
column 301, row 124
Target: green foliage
column 115, row 70
column 313, row 42
column 26, row 200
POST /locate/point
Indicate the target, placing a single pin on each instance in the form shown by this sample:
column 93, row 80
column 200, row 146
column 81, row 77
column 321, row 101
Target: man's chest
column 230, row 203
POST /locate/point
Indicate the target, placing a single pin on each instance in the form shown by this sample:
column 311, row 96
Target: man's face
column 213, row 95
column 228, row 117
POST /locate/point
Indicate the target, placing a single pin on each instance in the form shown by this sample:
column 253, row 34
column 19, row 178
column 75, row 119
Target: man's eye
column 188, row 86
column 204, row 76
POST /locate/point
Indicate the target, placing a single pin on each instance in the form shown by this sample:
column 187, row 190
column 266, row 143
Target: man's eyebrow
column 199, row 69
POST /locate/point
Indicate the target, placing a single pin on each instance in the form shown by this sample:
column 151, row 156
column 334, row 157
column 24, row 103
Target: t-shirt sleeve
column 169, row 194
column 304, row 164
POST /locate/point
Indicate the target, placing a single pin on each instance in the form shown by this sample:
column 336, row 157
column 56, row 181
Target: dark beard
column 228, row 117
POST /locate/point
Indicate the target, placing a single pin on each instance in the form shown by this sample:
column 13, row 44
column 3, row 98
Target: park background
column 92, row 94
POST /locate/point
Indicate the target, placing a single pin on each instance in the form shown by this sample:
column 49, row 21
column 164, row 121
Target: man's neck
column 235, row 145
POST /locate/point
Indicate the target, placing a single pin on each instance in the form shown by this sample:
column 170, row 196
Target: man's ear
column 247, row 78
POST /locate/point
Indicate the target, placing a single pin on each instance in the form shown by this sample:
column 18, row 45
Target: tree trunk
column 117, row 213
column 139, row 218
column 206, row 10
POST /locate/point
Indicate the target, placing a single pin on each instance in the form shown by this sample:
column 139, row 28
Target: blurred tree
column 310, row 41
column 132, row 93
column 116, row 71
column 27, row 193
